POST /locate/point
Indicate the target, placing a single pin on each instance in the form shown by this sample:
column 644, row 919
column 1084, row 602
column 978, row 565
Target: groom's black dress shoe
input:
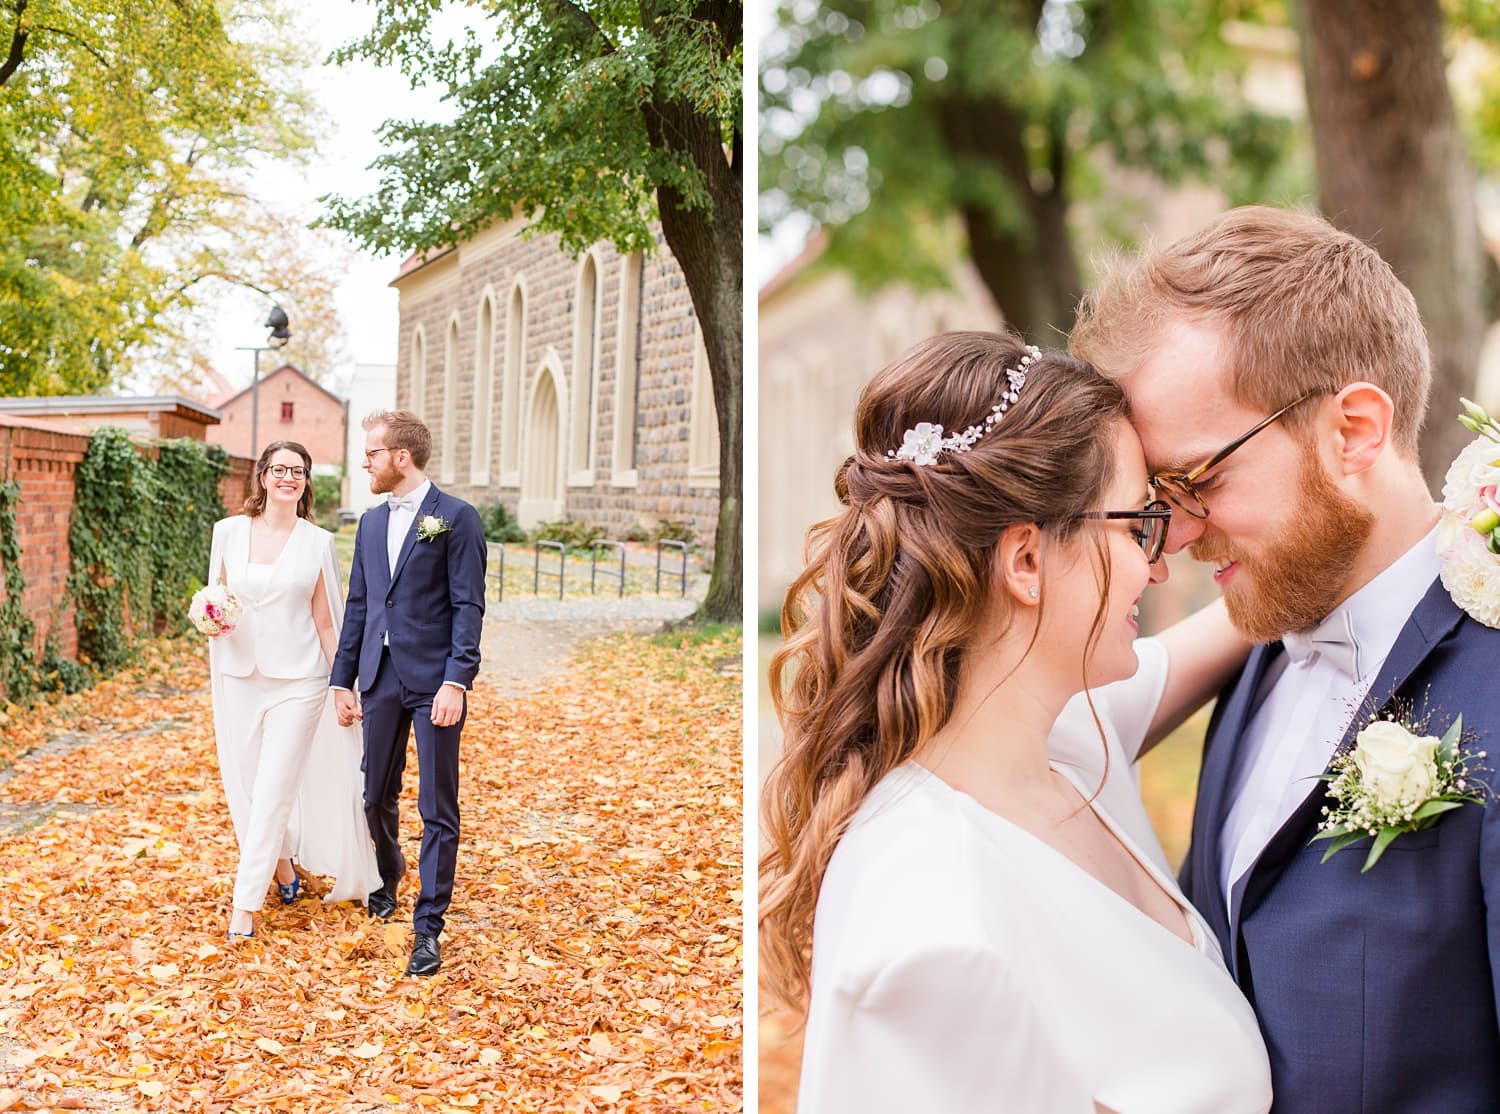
column 425, row 959
column 381, row 904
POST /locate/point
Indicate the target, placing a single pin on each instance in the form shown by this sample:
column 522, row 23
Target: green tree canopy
column 594, row 120
column 883, row 120
column 127, row 132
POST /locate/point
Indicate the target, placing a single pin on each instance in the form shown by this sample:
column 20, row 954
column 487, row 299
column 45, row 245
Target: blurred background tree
column 127, row 133
column 911, row 131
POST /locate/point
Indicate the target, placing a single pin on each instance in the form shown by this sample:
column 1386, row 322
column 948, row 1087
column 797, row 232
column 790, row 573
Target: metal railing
column 497, row 553
column 682, row 548
column 562, row 557
column 608, row 573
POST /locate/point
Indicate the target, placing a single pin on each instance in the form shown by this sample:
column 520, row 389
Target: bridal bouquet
column 1469, row 534
column 214, row 610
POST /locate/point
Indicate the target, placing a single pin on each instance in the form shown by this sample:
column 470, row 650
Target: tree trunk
column 1392, row 170
column 1026, row 263
column 708, row 246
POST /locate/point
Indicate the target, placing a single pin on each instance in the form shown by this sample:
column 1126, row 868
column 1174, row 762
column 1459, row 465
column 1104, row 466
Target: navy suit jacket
column 432, row 605
column 1376, row 993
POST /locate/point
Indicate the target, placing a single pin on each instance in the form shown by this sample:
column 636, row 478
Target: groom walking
column 411, row 639
column 1278, row 373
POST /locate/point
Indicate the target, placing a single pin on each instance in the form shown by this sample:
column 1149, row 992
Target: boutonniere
column 1468, row 540
column 1396, row 779
column 430, row 526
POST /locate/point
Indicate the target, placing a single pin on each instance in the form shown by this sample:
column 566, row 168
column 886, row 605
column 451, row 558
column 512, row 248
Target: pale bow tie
column 1333, row 639
column 401, row 503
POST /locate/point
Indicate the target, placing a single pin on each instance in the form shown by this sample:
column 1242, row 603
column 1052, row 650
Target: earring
column 1033, row 591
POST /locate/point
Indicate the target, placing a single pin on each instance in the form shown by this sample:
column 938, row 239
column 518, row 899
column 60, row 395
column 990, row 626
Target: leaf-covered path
column 593, row 952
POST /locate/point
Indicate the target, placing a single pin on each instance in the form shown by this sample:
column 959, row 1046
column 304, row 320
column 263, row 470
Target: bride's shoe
column 288, row 891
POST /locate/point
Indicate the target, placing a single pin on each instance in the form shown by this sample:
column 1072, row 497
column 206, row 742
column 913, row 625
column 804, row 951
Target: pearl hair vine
column 923, row 444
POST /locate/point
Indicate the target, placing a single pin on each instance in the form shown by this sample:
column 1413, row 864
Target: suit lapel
column 429, row 506
column 1432, row 621
column 1220, row 755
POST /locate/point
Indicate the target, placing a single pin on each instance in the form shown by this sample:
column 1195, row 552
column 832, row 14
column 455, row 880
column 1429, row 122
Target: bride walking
column 967, row 923
column 291, row 774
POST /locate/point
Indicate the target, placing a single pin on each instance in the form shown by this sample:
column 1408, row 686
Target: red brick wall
column 44, row 462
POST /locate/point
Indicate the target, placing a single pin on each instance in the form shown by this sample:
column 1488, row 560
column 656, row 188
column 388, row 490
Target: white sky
column 357, row 98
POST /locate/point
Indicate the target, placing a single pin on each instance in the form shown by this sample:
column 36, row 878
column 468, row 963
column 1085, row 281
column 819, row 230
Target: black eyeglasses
column 1182, row 487
column 282, row 471
column 1155, row 518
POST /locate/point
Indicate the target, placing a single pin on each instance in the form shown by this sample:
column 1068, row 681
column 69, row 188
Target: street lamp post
column 276, row 321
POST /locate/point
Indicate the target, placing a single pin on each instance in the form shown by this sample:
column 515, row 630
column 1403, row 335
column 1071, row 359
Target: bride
column 974, row 921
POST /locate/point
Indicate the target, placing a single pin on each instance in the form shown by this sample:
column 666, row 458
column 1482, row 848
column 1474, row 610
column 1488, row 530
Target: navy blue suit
column 1376, row 992
column 430, row 611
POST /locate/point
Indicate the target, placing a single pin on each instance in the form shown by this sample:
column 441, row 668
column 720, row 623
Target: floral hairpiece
column 922, row 445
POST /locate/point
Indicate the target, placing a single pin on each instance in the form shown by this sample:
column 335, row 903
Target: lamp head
column 277, row 323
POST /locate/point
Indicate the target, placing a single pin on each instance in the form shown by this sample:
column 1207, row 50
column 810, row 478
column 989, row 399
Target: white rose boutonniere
column 1394, row 780
column 430, row 526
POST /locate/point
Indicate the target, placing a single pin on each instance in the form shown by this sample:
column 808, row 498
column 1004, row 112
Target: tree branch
column 65, row 33
column 17, row 46
column 585, row 21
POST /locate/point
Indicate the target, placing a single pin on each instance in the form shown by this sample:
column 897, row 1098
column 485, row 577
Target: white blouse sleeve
column 944, row 1030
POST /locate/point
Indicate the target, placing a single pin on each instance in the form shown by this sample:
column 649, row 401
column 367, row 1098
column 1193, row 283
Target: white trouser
column 273, row 722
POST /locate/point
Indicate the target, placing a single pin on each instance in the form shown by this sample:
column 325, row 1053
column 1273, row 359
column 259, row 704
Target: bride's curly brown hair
column 878, row 624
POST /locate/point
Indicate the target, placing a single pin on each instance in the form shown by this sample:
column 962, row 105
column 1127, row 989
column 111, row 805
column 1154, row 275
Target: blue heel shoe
column 288, row 892
column 233, row 936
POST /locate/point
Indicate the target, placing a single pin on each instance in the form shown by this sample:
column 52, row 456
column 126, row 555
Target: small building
column 372, row 388
column 164, row 416
column 292, row 407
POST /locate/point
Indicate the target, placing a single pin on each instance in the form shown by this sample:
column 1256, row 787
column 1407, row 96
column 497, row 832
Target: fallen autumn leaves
column 593, row 953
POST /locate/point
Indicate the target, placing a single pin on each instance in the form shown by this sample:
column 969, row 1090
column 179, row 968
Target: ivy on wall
column 18, row 665
column 187, row 504
column 140, row 540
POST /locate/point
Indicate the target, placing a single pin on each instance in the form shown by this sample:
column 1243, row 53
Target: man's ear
column 1363, row 426
column 1018, row 562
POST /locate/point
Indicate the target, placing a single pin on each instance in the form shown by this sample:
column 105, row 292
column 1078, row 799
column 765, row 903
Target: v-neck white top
column 962, row 964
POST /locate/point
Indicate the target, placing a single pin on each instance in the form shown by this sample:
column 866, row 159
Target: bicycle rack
column 497, row 550
column 562, row 556
column 594, row 566
column 682, row 548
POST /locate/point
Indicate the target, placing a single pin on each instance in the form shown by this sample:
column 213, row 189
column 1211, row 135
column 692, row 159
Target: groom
column 411, row 638
column 1278, row 373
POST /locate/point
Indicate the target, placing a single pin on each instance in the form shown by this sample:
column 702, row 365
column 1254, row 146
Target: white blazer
column 275, row 634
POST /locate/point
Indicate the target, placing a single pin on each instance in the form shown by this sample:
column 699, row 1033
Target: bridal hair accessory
column 922, row 445
column 1468, row 539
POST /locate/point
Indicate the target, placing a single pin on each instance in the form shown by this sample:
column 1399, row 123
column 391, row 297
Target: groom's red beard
column 384, row 477
column 1294, row 582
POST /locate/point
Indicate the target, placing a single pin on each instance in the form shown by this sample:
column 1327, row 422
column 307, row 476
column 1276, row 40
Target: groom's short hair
column 1303, row 306
column 403, row 430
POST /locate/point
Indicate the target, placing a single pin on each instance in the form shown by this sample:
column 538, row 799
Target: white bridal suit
column 291, row 773
column 962, row 965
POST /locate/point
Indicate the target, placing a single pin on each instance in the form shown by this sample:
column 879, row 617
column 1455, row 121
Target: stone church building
column 562, row 388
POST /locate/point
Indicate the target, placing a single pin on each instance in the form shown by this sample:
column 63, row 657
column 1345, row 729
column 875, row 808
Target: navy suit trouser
column 391, row 710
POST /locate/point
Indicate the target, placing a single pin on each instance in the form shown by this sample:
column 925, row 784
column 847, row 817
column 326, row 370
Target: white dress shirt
column 1311, row 701
column 401, row 518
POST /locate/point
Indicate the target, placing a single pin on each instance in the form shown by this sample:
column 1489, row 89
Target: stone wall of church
column 441, row 306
